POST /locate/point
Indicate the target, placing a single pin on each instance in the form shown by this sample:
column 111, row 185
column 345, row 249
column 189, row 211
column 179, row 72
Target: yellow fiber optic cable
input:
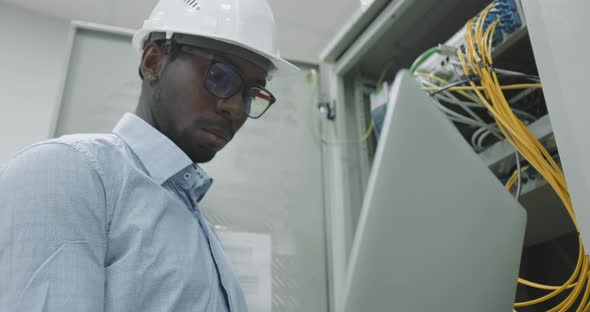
column 477, row 61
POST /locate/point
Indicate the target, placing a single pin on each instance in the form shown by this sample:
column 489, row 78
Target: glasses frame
column 243, row 87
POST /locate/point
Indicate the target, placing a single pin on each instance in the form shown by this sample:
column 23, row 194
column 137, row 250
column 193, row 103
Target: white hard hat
column 246, row 24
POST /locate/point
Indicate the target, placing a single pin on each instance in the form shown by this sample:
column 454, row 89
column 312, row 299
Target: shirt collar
column 161, row 157
column 194, row 181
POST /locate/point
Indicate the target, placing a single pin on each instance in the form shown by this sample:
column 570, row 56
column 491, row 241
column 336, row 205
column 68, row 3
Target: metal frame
column 345, row 166
column 346, row 170
column 338, row 234
column 350, row 30
column 74, row 27
column 369, row 38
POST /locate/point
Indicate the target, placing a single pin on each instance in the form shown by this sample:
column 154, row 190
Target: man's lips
column 220, row 133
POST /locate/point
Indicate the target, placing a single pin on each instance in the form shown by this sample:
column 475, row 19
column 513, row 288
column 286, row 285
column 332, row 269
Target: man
column 111, row 222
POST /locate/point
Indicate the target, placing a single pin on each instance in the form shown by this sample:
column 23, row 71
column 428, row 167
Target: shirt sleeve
column 52, row 232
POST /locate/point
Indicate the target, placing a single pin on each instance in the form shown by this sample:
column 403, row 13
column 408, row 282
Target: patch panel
column 508, row 14
column 506, row 11
column 510, row 28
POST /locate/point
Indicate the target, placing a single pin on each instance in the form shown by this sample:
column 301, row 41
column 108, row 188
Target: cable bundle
column 477, row 64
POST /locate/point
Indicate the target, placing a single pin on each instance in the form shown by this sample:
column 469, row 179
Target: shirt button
column 187, row 176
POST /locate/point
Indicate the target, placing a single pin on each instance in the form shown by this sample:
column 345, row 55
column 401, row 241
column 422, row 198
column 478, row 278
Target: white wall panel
column 32, row 53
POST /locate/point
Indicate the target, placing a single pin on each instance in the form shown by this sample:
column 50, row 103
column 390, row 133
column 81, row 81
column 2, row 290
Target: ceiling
column 304, row 26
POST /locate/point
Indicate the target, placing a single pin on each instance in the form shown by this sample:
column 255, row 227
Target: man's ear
column 152, row 61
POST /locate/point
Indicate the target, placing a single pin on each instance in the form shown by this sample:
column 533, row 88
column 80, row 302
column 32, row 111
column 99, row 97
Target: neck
column 144, row 112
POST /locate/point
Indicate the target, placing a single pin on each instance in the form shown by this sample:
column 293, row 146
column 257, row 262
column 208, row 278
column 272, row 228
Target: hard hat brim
column 283, row 68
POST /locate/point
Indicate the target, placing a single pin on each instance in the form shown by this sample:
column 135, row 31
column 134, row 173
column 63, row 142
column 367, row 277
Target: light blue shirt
column 110, row 222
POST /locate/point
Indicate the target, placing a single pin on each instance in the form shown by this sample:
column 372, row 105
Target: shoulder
column 83, row 152
column 71, row 148
column 101, row 161
column 55, row 183
column 46, row 157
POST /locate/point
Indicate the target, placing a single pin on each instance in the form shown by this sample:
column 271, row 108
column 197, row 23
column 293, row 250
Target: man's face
column 198, row 122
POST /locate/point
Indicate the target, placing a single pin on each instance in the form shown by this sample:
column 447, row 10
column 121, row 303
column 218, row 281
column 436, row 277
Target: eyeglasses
column 224, row 81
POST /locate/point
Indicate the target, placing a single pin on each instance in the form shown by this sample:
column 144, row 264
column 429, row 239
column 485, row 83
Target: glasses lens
column 257, row 101
column 222, row 80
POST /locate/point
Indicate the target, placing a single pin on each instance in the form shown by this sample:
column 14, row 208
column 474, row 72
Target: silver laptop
column 437, row 231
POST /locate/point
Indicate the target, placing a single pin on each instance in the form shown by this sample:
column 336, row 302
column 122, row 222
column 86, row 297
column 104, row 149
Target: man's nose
column 233, row 107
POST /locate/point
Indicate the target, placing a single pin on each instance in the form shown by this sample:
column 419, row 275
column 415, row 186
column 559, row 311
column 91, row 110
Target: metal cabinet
column 390, row 35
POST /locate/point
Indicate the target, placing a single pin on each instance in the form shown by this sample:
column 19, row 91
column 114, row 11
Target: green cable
column 365, row 137
column 414, row 67
column 423, row 58
column 313, row 114
column 382, row 76
column 315, row 129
